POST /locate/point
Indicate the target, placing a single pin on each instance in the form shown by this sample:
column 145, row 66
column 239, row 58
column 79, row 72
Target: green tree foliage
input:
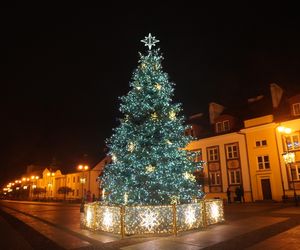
column 64, row 190
column 149, row 163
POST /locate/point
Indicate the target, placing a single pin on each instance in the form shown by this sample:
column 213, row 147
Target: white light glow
column 89, row 216
column 150, row 41
column 107, row 218
column 214, row 211
column 190, row 216
column 289, row 157
column 125, row 198
column 103, row 194
column 149, row 219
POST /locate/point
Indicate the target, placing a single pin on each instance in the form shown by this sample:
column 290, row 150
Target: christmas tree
column 149, row 163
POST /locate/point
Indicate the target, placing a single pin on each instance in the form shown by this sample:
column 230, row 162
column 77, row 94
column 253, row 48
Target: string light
column 154, row 116
column 158, row 86
column 131, row 147
column 113, row 157
column 153, row 219
column 172, row 115
column 149, row 219
column 190, row 216
column 107, row 218
column 189, row 176
column 169, row 142
column 125, row 198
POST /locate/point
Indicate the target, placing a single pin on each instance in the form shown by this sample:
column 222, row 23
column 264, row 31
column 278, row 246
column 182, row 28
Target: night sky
column 63, row 70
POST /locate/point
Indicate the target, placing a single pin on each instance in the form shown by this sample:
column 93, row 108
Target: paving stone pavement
column 247, row 226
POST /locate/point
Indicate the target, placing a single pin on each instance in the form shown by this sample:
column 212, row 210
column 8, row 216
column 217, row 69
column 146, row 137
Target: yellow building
column 288, row 135
column 226, row 164
column 53, row 185
column 262, row 155
column 266, row 172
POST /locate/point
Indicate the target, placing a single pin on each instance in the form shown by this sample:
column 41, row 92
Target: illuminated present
column 130, row 220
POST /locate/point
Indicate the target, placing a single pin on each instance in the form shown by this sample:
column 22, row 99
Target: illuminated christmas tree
column 149, row 163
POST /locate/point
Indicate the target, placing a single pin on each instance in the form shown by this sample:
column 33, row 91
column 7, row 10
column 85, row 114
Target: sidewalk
column 10, row 238
column 16, row 235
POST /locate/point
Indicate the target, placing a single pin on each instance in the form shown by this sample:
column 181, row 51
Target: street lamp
column 82, row 168
column 33, row 185
column 289, row 157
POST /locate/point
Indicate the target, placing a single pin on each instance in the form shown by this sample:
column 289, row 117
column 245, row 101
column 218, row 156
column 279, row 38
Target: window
column 219, row 127
column 263, row 162
column 214, row 178
column 68, row 180
column 261, row 143
column 296, row 109
column 78, row 179
column 222, row 126
column 226, row 125
column 213, row 154
column 73, row 179
column 292, row 141
column 198, row 155
column 234, row 176
column 232, row 151
column 295, row 172
column 77, row 192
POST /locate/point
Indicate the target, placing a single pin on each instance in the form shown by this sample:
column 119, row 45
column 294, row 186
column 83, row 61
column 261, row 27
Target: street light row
column 9, row 187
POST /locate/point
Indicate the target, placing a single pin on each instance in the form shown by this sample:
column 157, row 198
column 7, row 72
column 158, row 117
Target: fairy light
column 214, row 211
column 149, row 219
column 150, row 169
column 172, row 115
column 89, row 216
column 131, row 146
column 114, row 157
column 153, row 219
column 125, row 198
column 103, row 194
column 189, row 176
column 158, row 86
column 107, row 218
column 190, row 216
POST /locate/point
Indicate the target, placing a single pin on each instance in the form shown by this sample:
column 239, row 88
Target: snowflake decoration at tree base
column 148, row 219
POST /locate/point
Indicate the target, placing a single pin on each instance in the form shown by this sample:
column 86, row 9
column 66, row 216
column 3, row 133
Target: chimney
column 276, row 93
column 215, row 110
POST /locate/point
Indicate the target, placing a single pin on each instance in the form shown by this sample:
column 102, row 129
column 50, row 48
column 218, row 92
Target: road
column 31, row 225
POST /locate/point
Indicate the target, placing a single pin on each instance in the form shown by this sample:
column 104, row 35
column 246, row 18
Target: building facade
column 259, row 152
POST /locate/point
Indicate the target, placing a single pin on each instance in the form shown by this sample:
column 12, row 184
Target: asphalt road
column 31, row 225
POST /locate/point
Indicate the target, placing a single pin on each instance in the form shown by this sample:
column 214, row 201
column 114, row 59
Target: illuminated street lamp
column 289, row 157
column 82, row 168
column 33, row 184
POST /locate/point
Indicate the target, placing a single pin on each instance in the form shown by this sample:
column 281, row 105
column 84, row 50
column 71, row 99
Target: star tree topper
column 150, row 41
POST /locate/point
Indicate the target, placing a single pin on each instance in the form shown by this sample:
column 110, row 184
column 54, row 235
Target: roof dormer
column 294, row 103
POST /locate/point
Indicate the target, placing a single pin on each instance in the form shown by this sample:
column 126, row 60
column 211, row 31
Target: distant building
column 50, row 184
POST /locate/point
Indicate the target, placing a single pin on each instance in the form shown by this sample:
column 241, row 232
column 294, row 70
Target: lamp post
column 289, row 158
column 82, row 168
column 33, row 185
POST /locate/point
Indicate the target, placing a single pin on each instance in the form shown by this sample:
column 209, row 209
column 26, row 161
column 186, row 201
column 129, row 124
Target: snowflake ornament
column 150, row 41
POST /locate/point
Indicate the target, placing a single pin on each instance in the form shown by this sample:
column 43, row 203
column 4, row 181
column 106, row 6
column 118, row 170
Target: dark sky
column 63, row 70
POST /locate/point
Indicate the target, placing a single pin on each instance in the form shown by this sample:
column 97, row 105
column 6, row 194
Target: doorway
column 266, row 189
